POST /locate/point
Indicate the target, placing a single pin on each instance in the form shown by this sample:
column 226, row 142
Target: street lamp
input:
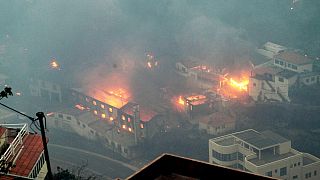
column 40, row 116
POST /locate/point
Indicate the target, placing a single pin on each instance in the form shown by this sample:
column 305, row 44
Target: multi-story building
column 264, row 153
column 22, row 155
column 288, row 69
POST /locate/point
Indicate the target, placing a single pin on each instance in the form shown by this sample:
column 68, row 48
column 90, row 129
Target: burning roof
column 145, row 114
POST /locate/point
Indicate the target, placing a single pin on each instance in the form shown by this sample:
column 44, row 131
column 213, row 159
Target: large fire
column 116, row 97
column 233, row 87
column 180, row 100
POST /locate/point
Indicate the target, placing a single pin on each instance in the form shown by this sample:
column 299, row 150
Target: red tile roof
column 30, row 153
column 2, row 131
column 217, row 119
column 294, row 58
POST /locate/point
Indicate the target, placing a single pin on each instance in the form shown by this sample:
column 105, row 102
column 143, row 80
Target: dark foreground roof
column 169, row 166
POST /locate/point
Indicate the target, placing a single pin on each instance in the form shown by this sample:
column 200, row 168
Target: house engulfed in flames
column 123, row 125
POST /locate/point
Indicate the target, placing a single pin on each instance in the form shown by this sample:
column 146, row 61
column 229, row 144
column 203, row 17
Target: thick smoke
column 110, row 35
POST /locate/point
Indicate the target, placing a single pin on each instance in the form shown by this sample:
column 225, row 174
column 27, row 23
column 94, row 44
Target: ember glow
column 80, row 107
column 54, row 64
column 180, row 100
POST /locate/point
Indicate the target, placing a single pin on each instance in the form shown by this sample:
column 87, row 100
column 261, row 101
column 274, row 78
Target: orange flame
column 241, row 85
column 180, row 100
column 54, row 64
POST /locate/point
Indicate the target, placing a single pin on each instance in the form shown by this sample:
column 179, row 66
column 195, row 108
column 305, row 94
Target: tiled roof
column 30, row 153
column 2, row 131
column 294, row 58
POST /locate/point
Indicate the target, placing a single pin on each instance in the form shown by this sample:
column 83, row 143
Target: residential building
column 265, row 153
column 45, row 89
column 22, row 155
column 204, row 75
column 167, row 167
column 217, row 123
column 293, row 61
column 271, row 83
column 269, row 50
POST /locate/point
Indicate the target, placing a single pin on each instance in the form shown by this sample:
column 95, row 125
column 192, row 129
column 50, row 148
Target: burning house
column 121, row 124
column 204, row 75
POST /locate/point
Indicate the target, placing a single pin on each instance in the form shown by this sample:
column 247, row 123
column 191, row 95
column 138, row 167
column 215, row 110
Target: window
column 125, row 150
column 110, row 109
column 281, row 79
column 289, row 65
column 295, row 164
column 315, row 173
column 94, row 103
column 276, row 171
column 141, row 126
column 294, row 67
column 68, row 117
column 123, row 117
column 281, row 63
column 277, row 61
column 111, row 118
column 307, row 80
column 313, row 79
column 102, row 106
column 60, row 116
column 129, row 119
column 103, row 115
column 95, row 112
column 254, row 84
column 283, row 171
column 240, row 156
column 269, row 173
column 308, row 175
column 298, row 163
column 295, row 177
column 83, row 125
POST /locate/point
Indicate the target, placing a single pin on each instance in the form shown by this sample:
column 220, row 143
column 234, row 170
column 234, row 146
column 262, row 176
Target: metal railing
column 15, row 145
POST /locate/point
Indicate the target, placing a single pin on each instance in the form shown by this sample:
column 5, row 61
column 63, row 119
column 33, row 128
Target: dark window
column 313, row 79
column 294, row 67
column 125, row 150
column 307, row 80
column 295, row 164
column 68, row 117
column 315, row 173
column 295, row 177
column 283, row 171
column 281, row 63
column 269, row 173
column 83, row 125
column 298, row 163
column 281, row 79
column 60, row 116
column 277, row 61
column 240, row 156
column 276, row 171
column 289, row 65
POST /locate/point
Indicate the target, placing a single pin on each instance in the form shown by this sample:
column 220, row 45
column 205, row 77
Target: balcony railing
column 16, row 144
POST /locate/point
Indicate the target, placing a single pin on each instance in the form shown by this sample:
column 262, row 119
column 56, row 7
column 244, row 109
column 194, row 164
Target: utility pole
column 40, row 117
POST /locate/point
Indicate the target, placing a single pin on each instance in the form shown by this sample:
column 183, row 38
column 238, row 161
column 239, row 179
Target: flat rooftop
column 226, row 142
column 260, row 140
column 270, row 157
column 294, row 58
column 307, row 161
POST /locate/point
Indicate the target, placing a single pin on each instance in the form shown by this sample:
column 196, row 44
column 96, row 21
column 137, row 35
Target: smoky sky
column 84, row 34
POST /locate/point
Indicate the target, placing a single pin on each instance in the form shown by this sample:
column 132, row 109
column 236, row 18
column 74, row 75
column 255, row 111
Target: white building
column 271, row 83
column 293, row 61
column 270, row 49
column 264, row 153
column 22, row 155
